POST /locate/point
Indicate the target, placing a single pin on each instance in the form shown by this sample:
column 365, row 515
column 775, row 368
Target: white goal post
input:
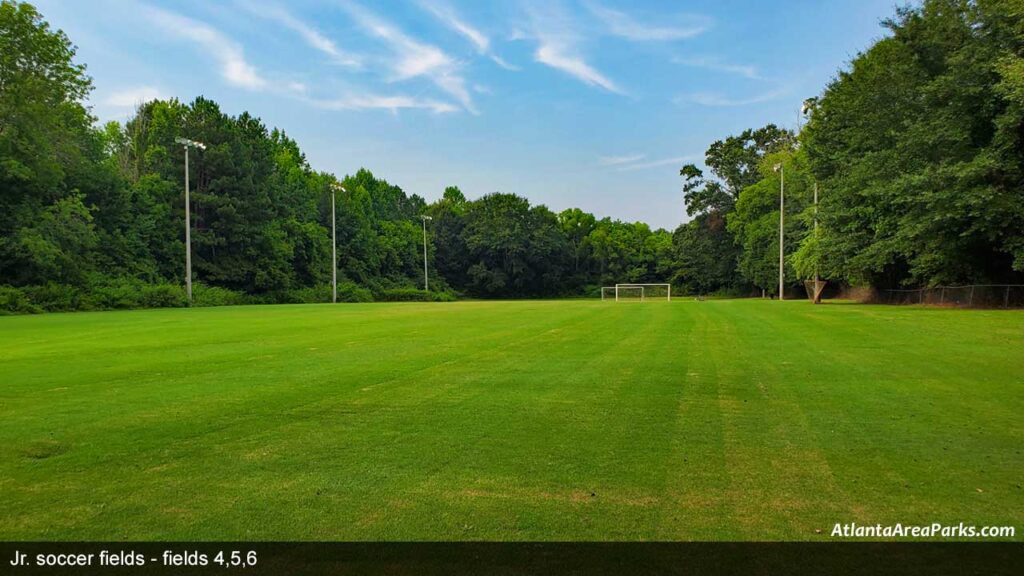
column 629, row 293
column 619, row 288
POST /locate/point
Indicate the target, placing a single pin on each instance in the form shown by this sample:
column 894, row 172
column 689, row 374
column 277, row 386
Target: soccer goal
column 628, row 293
column 643, row 292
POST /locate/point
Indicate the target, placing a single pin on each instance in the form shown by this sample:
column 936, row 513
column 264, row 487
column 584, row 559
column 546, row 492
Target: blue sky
column 594, row 104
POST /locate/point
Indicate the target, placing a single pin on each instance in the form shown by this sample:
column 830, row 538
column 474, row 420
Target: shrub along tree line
column 916, row 148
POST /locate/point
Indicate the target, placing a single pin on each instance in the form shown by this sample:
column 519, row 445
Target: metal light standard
column 186, row 143
column 426, row 279
column 817, row 258
column 334, row 243
column 782, row 219
column 809, row 106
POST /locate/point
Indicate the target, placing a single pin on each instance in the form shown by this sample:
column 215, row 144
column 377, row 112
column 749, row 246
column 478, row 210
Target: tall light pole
column 782, row 220
column 186, row 143
column 806, row 110
column 335, row 187
column 426, row 279
column 817, row 247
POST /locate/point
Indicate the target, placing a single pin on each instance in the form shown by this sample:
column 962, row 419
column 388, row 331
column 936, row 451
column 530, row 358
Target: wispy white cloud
column 446, row 14
column 131, row 97
column 630, row 162
column 621, row 24
column 501, row 62
column 229, row 55
column 450, row 18
column 560, row 56
column 377, row 102
column 678, row 160
column 308, row 33
column 719, row 101
column 719, row 65
column 619, row 160
column 414, row 58
column 558, row 47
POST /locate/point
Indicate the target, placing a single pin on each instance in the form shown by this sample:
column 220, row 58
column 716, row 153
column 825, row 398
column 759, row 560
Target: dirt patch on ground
column 569, row 497
column 160, row 468
column 43, row 449
column 378, row 514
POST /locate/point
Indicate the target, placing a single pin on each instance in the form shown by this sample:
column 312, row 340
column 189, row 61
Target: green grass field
column 572, row 420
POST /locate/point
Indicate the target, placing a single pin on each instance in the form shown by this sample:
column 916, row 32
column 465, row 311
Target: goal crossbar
column 642, row 287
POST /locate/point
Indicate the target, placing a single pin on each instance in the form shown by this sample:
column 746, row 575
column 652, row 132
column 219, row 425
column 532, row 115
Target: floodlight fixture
column 190, row 143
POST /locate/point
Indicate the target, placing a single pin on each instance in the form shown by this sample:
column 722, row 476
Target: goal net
column 643, row 292
column 628, row 293
column 814, row 289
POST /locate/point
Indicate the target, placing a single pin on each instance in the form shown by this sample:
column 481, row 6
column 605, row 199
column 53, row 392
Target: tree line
column 915, row 147
column 93, row 216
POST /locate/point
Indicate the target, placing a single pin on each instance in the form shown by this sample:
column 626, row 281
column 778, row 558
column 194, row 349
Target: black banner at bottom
column 279, row 558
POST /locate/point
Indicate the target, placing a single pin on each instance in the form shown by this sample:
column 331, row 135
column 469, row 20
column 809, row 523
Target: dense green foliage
column 917, row 148
column 526, row 420
column 98, row 211
column 918, row 151
column 715, row 256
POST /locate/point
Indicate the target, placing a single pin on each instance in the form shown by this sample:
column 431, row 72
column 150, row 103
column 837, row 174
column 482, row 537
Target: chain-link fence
column 971, row 296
